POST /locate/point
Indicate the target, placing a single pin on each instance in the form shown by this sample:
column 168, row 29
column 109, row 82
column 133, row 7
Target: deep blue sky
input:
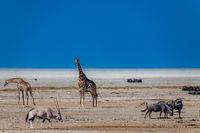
column 104, row 33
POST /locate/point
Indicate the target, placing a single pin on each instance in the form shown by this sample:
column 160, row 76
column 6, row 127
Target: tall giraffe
column 21, row 86
column 85, row 85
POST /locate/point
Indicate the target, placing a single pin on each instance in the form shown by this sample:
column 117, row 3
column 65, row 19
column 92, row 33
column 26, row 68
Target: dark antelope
column 157, row 107
column 176, row 104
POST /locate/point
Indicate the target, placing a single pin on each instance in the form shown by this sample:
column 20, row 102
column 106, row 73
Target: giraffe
column 22, row 86
column 85, row 85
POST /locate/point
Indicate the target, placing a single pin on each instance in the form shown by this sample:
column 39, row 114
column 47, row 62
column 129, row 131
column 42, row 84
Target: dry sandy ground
column 116, row 112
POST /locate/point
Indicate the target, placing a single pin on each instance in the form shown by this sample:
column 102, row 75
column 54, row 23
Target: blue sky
column 104, row 33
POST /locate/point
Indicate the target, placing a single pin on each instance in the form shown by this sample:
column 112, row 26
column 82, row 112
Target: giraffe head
column 76, row 60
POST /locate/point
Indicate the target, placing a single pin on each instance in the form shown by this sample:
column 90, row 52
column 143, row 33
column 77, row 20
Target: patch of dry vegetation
column 43, row 88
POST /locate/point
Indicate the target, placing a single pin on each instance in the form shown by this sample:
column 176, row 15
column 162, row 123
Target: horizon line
column 95, row 68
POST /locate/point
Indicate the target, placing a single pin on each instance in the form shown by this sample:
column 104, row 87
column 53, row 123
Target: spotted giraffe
column 85, row 85
column 22, row 87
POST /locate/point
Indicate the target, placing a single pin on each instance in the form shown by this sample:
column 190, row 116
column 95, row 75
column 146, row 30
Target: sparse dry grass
column 43, row 88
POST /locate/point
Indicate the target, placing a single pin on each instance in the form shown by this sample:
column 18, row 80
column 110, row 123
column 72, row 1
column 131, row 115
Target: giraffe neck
column 15, row 80
column 81, row 73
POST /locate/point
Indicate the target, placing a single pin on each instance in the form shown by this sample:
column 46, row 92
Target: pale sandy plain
column 118, row 100
column 116, row 112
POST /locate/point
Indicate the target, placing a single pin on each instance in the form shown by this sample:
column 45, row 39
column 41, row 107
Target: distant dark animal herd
column 192, row 90
column 134, row 80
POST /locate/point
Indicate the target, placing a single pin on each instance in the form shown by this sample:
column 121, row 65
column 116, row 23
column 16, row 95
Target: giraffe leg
column 93, row 100
column 23, row 97
column 80, row 98
column 27, row 97
column 96, row 100
column 94, row 96
column 32, row 97
column 83, row 98
column 18, row 96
